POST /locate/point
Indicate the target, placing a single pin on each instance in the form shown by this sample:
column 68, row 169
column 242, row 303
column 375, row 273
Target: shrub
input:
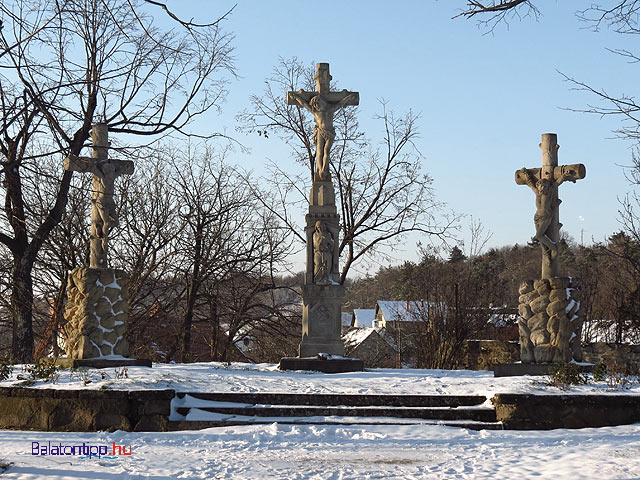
column 6, row 369
column 563, row 376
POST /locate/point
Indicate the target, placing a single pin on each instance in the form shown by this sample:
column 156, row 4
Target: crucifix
column 104, row 216
column 545, row 182
column 323, row 104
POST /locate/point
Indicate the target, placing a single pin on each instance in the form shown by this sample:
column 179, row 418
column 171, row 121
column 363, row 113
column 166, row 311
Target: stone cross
column 544, row 182
column 323, row 104
column 104, row 216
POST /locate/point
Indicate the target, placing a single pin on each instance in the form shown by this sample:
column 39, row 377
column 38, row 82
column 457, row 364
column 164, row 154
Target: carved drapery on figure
column 104, row 215
column 323, row 104
column 323, row 245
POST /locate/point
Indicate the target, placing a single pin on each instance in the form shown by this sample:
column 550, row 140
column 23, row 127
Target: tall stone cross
column 323, row 104
column 104, row 216
column 544, row 182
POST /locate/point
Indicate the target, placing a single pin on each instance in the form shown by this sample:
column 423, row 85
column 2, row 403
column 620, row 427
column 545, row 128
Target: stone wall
column 84, row 410
column 97, row 313
column 546, row 412
column 484, row 354
column 612, row 354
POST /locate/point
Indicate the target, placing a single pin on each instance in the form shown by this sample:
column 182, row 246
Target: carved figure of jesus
column 544, row 209
column 104, row 215
column 323, row 104
column 324, row 132
column 323, row 245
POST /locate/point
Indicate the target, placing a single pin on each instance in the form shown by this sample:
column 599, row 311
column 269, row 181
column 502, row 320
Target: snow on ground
column 244, row 377
column 325, row 452
column 335, row 452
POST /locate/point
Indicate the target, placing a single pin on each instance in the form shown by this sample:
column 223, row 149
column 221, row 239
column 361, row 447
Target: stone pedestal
column 97, row 313
column 550, row 320
column 322, row 293
column 321, row 324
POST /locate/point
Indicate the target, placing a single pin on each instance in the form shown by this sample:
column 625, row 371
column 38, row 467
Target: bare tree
column 495, row 11
column 66, row 65
column 382, row 192
column 227, row 245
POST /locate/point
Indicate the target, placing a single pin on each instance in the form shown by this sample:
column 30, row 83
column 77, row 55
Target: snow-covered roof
column 346, row 319
column 364, row 317
column 404, row 311
column 356, row 336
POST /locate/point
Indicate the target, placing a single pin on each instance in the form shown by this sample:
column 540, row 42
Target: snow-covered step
column 459, row 413
column 351, row 400
column 204, row 410
column 226, row 421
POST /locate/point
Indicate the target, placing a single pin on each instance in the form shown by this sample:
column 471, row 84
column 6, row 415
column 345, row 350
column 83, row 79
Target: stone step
column 476, row 414
column 200, row 425
column 350, row 400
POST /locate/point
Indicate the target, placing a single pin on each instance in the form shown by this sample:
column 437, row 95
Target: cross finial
column 322, row 78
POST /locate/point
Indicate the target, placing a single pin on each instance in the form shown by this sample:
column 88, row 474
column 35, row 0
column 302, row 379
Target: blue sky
column 484, row 99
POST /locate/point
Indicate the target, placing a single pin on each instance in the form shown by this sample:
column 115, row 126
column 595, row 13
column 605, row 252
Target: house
column 367, row 345
column 395, row 314
column 363, row 317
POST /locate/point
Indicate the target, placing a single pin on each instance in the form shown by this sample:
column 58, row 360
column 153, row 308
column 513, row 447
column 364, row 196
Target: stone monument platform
column 322, row 363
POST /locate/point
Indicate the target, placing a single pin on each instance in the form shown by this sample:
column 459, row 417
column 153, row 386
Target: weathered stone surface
column 555, row 324
column 525, row 287
column 91, row 320
column 539, row 304
column 56, row 410
column 542, row 286
column 538, row 321
column 525, row 311
column 545, row 412
column 539, row 338
column 526, row 346
column 543, row 353
column 122, row 347
column 554, row 308
column 557, row 295
column 619, row 357
column 527, row 298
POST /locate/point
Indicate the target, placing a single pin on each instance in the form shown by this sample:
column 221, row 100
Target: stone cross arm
column 561, row 173
column 88, row 165
column 344, row 97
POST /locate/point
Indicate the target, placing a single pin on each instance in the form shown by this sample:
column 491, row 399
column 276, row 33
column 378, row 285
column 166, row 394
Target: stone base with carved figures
column 97, row 314
column 550, row 320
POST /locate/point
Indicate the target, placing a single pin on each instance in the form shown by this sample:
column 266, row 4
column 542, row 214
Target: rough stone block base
column 533, row 369
column 331, row 365
column 97, row 313
column 550, row 322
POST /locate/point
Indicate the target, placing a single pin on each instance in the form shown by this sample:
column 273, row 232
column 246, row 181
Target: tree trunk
column 22, row 309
